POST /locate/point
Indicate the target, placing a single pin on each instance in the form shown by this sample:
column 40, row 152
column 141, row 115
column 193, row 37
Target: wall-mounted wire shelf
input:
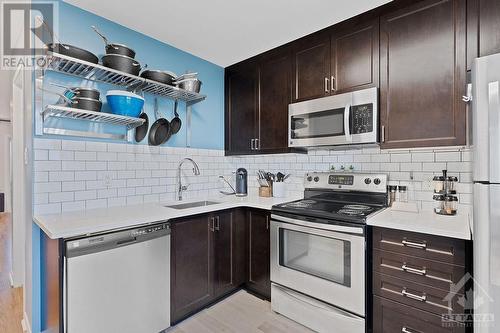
column 60, row 111
column 95, row 72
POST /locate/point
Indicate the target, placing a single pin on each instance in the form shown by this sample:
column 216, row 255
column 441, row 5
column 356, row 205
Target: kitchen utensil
column 280, row 177
column 65, row 49
column 192, row 84
column 160, row 130
column 164, row 77
column 286, row 177
column 72, row 92
column 142, row 130
column 121, row 63
column 125, row 103
column 115, row 48
column 86, row 104
column 176, row 122
column 241, row 182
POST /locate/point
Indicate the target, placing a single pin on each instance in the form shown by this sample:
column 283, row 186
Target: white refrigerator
column 486, row 176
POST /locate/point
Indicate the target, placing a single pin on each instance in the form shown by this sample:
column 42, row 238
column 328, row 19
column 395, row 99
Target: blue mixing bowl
column 125, row 103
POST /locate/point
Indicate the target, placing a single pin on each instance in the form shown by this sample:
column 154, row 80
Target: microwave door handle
column 347, row 123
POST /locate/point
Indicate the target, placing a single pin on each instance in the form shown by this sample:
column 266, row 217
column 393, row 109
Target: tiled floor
column 239, row 313
column 11, row 300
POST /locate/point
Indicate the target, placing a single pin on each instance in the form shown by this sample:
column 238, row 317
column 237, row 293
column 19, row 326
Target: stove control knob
column 376, row 181
column 368, row 181
column 309, row 179
column 316, row 179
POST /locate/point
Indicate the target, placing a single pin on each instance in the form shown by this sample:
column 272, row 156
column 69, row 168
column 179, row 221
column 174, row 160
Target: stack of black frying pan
column 81, row 97
column 161, row 130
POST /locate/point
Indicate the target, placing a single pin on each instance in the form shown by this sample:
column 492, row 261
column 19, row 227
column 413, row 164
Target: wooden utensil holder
column 266, row 191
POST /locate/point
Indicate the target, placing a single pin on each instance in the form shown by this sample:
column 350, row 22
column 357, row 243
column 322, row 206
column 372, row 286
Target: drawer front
column 448, row 250
column 419, row 270
column 393, row 317
column 415, row 295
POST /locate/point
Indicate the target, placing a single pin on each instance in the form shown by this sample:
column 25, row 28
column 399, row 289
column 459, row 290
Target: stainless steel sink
column 193, row 204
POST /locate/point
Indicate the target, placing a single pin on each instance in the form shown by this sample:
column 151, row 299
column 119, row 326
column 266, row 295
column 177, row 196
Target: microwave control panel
column 362, row 118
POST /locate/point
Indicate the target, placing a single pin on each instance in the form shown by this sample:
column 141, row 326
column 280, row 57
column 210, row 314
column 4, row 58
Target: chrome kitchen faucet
column 180, row 187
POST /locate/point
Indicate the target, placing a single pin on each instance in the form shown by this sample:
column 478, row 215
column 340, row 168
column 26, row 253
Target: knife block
column 266, row 191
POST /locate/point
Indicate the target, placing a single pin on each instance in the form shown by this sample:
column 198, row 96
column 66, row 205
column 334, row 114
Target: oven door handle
column 347, row 123
column 325, row 226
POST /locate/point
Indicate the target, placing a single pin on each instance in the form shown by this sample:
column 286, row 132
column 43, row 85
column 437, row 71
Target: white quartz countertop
column 92, row 221
column 426, row 222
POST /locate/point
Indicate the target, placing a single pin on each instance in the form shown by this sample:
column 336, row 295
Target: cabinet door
column 191, row 275
column 274, row 97
column 489, row 27
column 422, row 61
column 241, row 109
column 223, row 253
column 312, row 68
column 355, row 57
column 259, row 279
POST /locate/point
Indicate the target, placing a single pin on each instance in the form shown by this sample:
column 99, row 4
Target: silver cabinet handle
column 257, row 144
column 267, row 222
column 212, row 224
column 252, row 144
column 217, row 223
column 422, row 298
column 417, row 271
column 382, row 134
column 334, row 84
column 326, row 85
column 415, row 245
column 407, row 330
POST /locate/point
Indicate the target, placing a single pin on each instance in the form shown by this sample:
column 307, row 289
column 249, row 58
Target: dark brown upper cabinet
column 274, row 96
column 483, row 29
column 422, row 78
column 311, row 58
column 354, row 56
column 241, row 108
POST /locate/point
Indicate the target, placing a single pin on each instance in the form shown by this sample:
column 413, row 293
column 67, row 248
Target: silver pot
column 192, row 84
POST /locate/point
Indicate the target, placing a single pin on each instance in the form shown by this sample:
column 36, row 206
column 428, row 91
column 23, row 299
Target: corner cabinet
column 422, row 79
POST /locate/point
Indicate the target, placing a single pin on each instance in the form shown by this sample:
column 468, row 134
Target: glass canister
column 438, row 203
column 392, row 194
column 451, row 184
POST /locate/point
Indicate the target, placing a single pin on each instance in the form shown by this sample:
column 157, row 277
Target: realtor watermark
column 25, row 30
column 473, row 299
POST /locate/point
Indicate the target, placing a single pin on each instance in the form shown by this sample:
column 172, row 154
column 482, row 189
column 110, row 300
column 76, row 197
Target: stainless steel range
column 318, row 251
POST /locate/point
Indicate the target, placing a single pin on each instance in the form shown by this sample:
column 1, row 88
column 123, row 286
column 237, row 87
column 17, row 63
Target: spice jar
column 403, row 194
column 392, row 194
column 451, row 184
column 439, row 184
column 439, row 203
column 450, row 204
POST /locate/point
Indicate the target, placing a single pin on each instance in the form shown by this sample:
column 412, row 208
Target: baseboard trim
column 25, row 323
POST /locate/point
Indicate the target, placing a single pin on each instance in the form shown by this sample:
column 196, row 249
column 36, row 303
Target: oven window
column 318, row 124
column 323, row 257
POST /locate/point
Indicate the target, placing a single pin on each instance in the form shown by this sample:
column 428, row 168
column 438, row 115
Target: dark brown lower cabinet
column 208, row 260
column 393, row 317
column 259, row 239
column 191, row 266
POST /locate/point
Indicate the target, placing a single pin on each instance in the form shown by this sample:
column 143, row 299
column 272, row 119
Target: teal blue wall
column 208, row 116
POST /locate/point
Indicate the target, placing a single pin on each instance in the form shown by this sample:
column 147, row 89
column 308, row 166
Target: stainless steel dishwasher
column 118, row 282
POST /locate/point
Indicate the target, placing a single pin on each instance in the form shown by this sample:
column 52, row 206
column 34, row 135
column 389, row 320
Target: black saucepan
column 176, row 122
column 115, row 48
column 160, row 131
column 86, row 104
column 159, row 76
column 121, row 63
column 72, row 92
column 73, row 52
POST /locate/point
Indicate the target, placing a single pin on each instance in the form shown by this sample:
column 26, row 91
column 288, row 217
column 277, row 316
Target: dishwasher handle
column 111, row 240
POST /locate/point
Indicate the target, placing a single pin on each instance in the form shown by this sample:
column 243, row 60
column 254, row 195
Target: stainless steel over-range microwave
column 344, row 119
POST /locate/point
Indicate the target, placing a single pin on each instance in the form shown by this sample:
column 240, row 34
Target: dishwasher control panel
column 148, row 230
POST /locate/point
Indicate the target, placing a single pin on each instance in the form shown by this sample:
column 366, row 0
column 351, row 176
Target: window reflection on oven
column 323, row 257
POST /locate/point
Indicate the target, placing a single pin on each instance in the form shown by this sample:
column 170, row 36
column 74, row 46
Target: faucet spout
column 196, row 172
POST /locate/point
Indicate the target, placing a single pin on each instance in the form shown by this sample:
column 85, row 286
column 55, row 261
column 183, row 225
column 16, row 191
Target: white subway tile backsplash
column 113, row 174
